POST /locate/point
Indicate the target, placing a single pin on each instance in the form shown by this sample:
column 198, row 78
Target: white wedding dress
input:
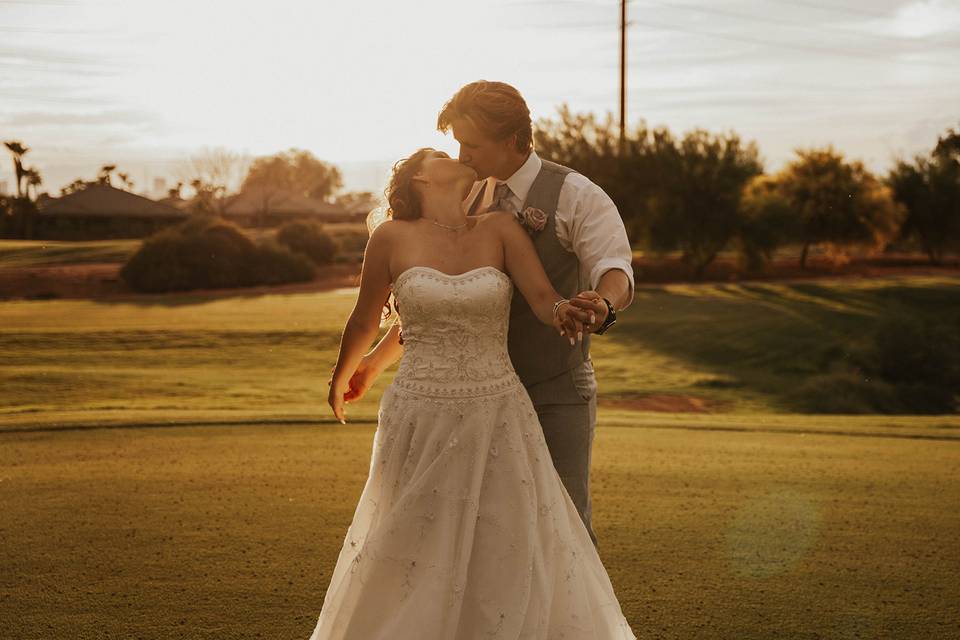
column 464, row 529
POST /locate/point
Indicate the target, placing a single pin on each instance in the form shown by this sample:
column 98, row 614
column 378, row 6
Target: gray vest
column 537, row 351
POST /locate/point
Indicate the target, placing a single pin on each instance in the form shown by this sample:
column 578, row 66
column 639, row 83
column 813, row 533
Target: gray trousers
column 567, row 408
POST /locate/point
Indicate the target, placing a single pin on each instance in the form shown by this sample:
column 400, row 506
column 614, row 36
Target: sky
column 146, row 84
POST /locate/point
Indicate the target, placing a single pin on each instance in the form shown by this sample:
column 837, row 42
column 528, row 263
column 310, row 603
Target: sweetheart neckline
column 448, row 275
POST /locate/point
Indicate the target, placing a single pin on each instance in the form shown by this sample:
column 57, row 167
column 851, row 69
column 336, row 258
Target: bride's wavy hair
column 403, row 203
column 402, row 199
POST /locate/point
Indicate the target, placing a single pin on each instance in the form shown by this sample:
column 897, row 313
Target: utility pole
column 623, row 76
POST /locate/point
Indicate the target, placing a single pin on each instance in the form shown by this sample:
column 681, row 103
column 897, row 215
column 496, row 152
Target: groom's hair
column 495, row 108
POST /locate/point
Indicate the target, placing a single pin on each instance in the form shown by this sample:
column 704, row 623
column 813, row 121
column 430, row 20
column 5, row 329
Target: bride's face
column 441, row 170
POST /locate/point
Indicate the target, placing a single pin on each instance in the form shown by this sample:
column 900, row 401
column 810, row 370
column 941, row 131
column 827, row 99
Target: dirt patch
column 668, row 402
column 102, row 280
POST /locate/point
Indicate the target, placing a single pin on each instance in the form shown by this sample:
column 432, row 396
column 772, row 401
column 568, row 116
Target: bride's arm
column 363, row 325
column 525, row 269
column 387, row 351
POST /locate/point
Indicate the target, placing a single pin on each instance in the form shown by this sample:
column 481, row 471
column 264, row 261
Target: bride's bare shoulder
column 389, row 229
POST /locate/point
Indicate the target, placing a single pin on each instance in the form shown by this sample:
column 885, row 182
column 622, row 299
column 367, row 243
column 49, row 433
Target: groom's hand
column 592, row 303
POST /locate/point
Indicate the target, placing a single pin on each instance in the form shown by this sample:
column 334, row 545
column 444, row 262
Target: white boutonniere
column 533, row 219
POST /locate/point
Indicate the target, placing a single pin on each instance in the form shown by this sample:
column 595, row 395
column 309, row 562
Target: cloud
column 926, row 18
column 108, row 118
column 64, row 57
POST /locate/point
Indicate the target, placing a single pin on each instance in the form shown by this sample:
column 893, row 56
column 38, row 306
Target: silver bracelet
column 557, row 304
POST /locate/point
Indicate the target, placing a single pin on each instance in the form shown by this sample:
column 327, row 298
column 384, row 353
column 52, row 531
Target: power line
column 788, row 23
column 855, row 12
column 872, row 57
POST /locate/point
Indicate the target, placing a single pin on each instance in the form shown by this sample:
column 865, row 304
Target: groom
column 585, row 252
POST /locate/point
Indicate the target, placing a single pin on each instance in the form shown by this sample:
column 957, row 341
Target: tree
column 671, row 194
column 207, row 198
column 591, row 146
column 838, row 203
column 929, row 188
column 75, row 186
column 766, row 221
column 695, row 207
column 18, row 149
column 212, row 173
column 33, row 179
column 357, row 200
column 126, row 181
column 103, row 177
column 215, row 167
column 295, row 170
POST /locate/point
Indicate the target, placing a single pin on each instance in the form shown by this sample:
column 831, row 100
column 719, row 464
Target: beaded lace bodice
column 454, row 331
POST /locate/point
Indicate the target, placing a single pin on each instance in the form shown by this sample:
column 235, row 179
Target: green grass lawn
column 37, row 253
column 743, row 347
column 752, row 522
column 233, row 531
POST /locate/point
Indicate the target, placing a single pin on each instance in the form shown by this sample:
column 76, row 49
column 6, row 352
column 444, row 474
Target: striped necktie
column 501, row 199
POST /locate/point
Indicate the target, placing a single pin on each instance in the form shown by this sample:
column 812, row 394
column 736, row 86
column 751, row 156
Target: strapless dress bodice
column 454, row 331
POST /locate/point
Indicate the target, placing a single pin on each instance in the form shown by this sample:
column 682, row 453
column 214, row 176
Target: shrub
column 209, row 252
column 844, row 392
column 307, row 237
column 352, row 241
column 923, row 361
column 903, row 366
column 273, row 263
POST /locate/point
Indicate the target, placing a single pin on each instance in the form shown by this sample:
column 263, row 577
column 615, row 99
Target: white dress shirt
column 587, row 221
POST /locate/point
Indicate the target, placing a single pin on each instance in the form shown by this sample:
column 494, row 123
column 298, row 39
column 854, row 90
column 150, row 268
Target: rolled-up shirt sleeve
column 589, row 224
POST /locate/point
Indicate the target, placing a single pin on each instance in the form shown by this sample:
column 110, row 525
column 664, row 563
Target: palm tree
column 125, row 179
column 18, row 150
column 33, row 179
column 105, row 171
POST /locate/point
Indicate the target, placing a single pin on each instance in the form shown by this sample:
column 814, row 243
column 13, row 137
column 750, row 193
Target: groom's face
column 484, row 155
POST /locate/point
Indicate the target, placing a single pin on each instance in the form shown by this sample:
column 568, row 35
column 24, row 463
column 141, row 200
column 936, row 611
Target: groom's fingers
column 583, row 303
column 580, row 311
column 590, row 309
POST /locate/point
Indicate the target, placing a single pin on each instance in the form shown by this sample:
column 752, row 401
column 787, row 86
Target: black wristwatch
column 610, row 320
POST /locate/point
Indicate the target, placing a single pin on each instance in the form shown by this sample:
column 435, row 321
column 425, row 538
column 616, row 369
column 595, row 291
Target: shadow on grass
column 771, row 338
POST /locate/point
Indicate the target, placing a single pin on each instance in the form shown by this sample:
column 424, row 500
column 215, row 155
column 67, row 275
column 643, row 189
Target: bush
column 844, row 392
column 903, row 366
column 352, row 240
column 307, row 237
column 208, row 252
column 274, row 263
column 923, row 361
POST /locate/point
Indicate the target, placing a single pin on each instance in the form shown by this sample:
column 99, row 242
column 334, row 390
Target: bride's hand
column 338, row 389
column 360, row 382
column 567, row 320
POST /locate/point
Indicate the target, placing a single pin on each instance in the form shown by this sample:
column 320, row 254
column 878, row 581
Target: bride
column 463, row 529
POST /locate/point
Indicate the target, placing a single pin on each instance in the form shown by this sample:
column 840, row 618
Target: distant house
column 273, row 207
column 176, row 202
column 102, row 211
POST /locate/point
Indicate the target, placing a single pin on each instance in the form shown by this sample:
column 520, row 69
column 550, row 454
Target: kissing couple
column 475, row 519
